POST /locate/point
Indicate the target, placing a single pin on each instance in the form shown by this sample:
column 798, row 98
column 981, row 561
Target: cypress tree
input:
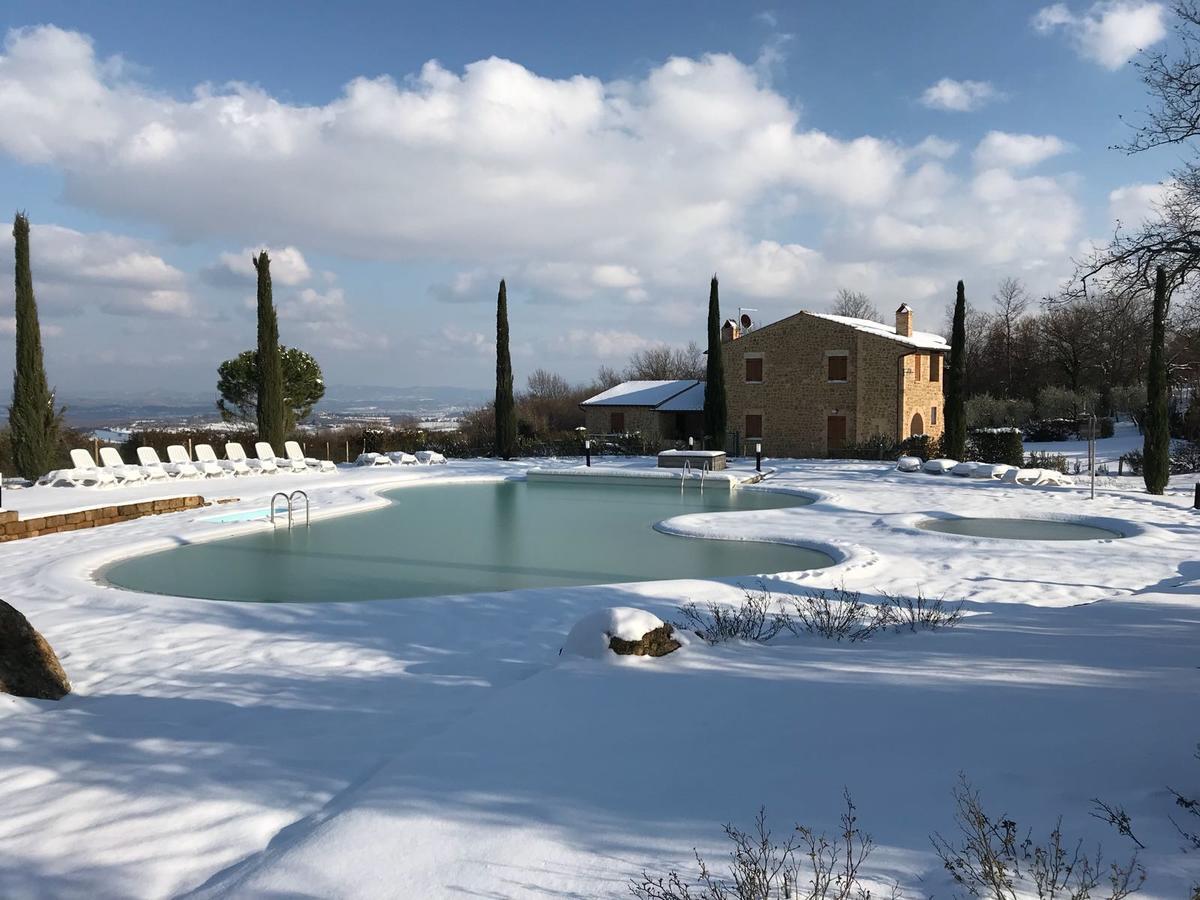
column 1156, row 446
column 271, row 414
column 32, row 420
column 715, row 410
column 506, row 411
column 954, row 419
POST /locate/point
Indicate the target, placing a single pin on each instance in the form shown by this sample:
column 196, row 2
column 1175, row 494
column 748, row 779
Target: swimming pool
column 469, row 538
column 1020, row 529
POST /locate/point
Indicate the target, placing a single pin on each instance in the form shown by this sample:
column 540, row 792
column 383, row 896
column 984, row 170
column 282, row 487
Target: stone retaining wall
column 13, row 528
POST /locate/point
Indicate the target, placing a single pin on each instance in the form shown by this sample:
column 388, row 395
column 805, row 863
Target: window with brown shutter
column 754, row 426
column 754, row 369
column 935, row 367
column 917, row 367
column 932, row 414
column 838, row 368
column 617, row 423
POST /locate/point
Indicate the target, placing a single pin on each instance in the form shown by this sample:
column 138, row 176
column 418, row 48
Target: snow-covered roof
column 643, row 393
column 922, row 340
column 691, row 400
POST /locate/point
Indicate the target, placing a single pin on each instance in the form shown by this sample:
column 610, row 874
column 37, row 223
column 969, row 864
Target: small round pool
column 1020, row 529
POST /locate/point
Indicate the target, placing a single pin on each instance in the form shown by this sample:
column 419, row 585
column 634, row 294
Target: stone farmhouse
column 664, row 411
column 803, row 386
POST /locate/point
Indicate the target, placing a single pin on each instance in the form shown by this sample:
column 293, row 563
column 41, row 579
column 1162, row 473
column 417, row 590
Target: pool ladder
column 687, row 470
column 288, row 499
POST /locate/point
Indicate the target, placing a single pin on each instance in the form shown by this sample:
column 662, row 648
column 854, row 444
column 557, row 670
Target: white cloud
column 1134, row 203
column 573, row 187
column 936, row 147
column 288, row 267
column 1109, row 32
column 1002, row 150
column 959, row 96
column 75, row 270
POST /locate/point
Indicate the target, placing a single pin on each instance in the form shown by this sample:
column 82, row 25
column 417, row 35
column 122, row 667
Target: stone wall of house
column 796, row 398
column 922, row 396
column 643, row 419
column 12, row 527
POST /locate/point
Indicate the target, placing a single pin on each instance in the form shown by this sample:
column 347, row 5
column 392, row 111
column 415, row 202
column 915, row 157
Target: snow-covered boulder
column 28, row 665
column 964, row 469
column 622, row 630
column 940, row 466
column 909, row 464
column 430, row 458
column 400, row 458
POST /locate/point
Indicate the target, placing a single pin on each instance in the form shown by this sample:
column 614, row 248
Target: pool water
column 1021, row 529
column 471, row 538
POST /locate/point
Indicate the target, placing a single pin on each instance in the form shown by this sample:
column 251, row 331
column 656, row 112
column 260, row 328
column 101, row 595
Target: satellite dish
column 746, row 323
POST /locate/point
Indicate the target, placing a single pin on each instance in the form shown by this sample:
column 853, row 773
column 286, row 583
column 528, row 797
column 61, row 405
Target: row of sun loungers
column 400, row 458
column 180, row 464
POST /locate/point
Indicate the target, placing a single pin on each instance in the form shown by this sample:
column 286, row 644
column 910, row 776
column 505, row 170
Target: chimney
column 730, row 331
column 904, row 321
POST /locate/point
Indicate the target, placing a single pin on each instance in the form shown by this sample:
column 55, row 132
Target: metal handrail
column 289, row 506
column 683, row 474
column 288, row 498
column 303, row 494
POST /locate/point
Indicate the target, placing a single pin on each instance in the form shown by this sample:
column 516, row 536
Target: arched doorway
column 917, row 426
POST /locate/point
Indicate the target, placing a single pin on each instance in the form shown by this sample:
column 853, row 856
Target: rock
column 658, row 642
column 621, row 630
column 28, row 666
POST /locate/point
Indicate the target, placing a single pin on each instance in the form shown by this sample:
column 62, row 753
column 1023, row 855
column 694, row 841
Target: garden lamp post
column 587, row 450
column 758, row 456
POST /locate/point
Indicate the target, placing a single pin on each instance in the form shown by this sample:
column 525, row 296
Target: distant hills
column 120, row 408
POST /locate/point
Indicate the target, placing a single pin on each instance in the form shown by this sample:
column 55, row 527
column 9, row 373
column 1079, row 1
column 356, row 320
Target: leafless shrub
column 1117, row 818
column 988, row 861
column 921, row 612
column 807, row 866
column 836, row 614
column 1191, row 806
column 752, row 620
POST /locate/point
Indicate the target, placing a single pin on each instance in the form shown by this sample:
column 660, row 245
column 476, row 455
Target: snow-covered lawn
column 442, row 747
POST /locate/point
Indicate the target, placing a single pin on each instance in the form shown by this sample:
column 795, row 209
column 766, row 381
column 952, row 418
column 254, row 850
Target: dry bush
column 807, row 866
column 921, row 612
column 836, row 614
column 988, row 860
column 753, row 620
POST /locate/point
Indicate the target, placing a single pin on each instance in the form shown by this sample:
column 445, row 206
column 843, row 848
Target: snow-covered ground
column 442, row 748
column 1109, row 451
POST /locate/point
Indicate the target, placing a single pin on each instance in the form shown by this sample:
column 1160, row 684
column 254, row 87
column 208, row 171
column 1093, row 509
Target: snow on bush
column 592, row 636
column 909, row 464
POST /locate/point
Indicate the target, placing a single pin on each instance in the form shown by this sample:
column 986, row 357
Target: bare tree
column 855, row 304
column 664, row 363
column 546, row 385
column 1011, row 300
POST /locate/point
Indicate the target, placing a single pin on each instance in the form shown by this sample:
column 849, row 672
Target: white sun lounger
column 400, row 458
column 205, row 454
column 266, row 453
column 295, row 454
column 179, row 456
column 112, row 461
column 235, row 453
column 86, row 466
column 373, row 459
column 84, row 473
column 148, row 457
column 430, row 458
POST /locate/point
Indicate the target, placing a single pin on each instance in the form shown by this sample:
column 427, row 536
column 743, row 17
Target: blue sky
column 605, row 158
